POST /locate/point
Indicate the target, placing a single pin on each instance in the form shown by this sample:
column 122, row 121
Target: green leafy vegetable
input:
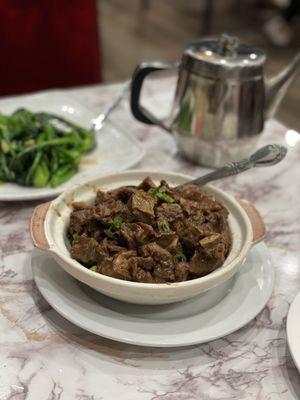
column 41, row 174
column 93, row 268
column 37, row 149
column 114, row 227
column 5, row 146
column 178, row 257
column 62, row 175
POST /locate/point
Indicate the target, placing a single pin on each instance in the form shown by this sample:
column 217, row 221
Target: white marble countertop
column 43, row 357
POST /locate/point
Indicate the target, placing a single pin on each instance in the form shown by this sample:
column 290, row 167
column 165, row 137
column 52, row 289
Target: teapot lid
column 224, row 57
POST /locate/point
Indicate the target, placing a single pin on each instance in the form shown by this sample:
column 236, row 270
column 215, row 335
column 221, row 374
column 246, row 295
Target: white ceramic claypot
column 49, row 225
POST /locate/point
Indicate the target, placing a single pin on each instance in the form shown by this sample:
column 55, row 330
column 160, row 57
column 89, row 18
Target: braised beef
column 141, row 205
column 167, row 240
column 106, row 211
column 147, row 184
column 123, row 193
column 87, row 250
column 150, row 233
column 164, row 268
column 181, row 271
column 112, row 246
column 79, row 220
column 122, row 264
column 136, row 234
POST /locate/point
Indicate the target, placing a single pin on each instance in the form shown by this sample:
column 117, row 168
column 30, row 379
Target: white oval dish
column 50, row 221
column 293, row 330
column 116, row 149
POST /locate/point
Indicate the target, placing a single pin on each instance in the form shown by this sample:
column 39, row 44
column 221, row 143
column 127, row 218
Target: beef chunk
column 189, row 232
column 210, row 241
column 154, row 250
column 167, row 240
column 191, row 192
column 147, row 184
column 112, row 246
column 181, row 271
column 226, row 239
column 79, row 219
column 191, row 210
column 106, row 212
column 105, row 267
column 102, row 197
column 164, row 268
column 82, row 222
column 122, row 264
column 217, row 220
column 147, row 263
column 135, row 234
column 170, row 213
column 87, row 251
column 140, row 274
column 142, row 205
column 207, row 260
column 123, row 193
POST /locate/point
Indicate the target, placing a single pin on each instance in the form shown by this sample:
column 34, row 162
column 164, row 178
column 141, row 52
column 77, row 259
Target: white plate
column 172, row 325
column 116, row 150
column 293, row 330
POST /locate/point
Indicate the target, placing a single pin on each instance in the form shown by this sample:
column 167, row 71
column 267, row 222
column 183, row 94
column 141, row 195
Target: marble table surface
column 44, row 357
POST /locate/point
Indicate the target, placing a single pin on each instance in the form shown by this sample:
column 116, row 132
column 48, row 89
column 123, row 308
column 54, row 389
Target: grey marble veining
column 44, row 357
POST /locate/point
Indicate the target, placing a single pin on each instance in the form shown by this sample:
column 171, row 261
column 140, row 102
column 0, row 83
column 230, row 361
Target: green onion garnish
column 160, row 193
column 164, row 225
column 115, row 226
column 118, row 222
column 178, row 257
column 93, row 268
column 75, row 236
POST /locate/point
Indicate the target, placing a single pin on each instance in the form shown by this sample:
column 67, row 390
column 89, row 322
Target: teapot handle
column 140, row 112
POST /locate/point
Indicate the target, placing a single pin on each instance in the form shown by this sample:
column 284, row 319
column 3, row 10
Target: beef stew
column 150, row 233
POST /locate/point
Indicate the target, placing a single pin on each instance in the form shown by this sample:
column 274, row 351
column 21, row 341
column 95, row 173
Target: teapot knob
column 228, row 44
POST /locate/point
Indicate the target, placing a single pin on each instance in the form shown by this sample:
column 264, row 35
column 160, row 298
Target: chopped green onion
column 75, row 236
column 165, row 197
column 164, row 225
column 160, row 193
column 152, row 190
column 109, row 232
column 118, row 222
column 115, row 226
column 178, row 257
column 94, row 268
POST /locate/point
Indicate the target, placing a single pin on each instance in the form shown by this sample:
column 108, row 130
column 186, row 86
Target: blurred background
column 62, row 43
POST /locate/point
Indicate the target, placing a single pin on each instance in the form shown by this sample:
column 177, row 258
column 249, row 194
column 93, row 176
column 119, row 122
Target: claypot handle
column 258, row 226
column 37, row 226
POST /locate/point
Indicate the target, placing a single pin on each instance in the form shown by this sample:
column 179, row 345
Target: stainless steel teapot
column 222, row 99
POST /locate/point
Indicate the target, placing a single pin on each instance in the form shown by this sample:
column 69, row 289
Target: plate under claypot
column 293, row 330
column 172, row 325
column 50, row 221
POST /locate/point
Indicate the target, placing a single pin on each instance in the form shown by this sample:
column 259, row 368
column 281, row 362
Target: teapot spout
column 276, row 87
